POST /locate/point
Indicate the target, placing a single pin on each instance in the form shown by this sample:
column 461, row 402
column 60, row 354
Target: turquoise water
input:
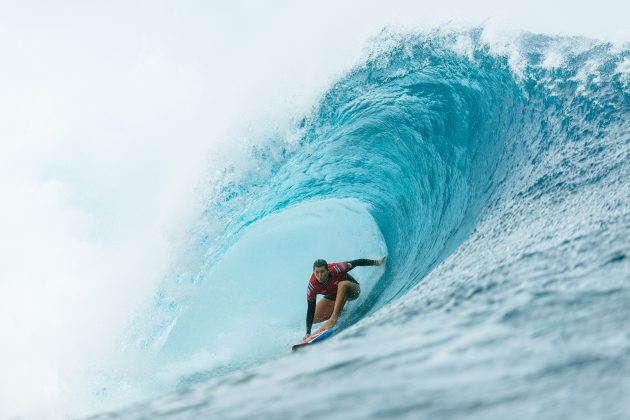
column 497, row 183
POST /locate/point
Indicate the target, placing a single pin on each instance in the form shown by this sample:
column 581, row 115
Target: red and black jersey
column 338, row 272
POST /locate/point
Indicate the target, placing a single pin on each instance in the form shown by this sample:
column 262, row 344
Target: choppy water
column 496, row 179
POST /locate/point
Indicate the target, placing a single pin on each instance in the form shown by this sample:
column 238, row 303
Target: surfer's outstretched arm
column 365, row 262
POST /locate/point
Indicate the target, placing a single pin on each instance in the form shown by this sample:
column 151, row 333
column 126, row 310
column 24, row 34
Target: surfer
column 337, row 286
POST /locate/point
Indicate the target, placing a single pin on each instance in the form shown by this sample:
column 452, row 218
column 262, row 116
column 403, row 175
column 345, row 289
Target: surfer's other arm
column 365, row 262
column 310, row 314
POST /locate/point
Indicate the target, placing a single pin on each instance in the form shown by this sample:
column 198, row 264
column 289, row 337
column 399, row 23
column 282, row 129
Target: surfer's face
column 321, row 274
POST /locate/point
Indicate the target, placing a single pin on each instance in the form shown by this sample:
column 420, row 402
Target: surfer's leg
column 347, row 290
column 323, row 310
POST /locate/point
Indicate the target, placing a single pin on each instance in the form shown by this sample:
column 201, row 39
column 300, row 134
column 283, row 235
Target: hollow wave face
column 494, row 177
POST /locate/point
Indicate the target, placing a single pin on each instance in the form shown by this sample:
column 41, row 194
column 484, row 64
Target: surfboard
column 315, row 338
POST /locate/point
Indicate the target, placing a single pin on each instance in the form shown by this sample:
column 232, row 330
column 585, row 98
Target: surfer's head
column 320, row 269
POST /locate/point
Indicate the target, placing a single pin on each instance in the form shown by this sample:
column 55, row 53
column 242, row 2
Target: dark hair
column 320, row 263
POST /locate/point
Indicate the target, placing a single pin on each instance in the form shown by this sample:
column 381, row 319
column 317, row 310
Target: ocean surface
column 496, row 179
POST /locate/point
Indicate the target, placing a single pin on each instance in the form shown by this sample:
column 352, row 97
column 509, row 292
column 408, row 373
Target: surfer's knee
column 352, row 289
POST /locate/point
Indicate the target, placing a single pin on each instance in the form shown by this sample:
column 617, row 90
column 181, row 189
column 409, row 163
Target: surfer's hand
column 306, row 336
column 328, row 324
column 381, row 261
